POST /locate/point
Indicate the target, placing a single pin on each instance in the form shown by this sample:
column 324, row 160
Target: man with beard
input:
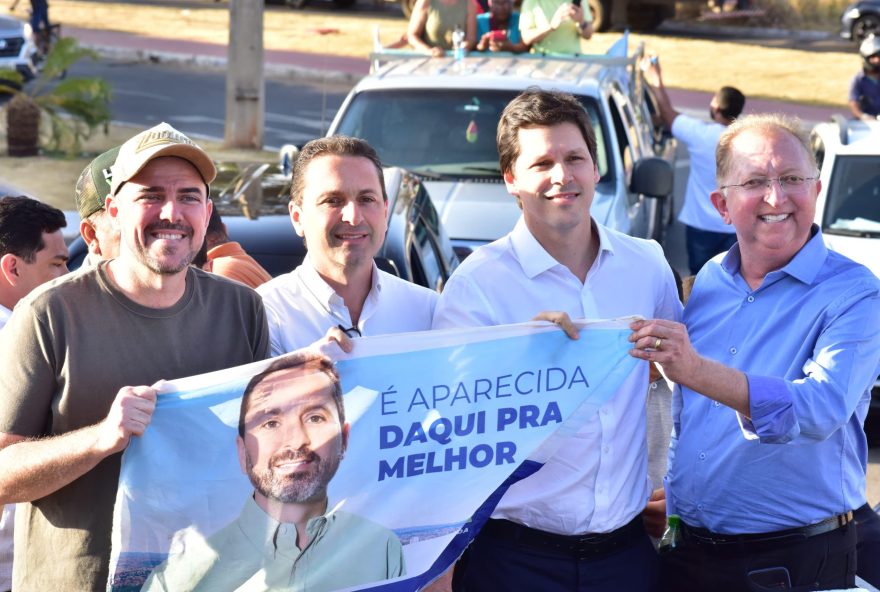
column 80, row 342
column 291, row 437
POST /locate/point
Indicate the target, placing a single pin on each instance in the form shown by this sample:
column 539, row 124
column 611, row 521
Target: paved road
column 194, row 101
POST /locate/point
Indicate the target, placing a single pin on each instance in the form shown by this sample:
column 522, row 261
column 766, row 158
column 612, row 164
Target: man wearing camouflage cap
column 92, row 189
column 69, row 408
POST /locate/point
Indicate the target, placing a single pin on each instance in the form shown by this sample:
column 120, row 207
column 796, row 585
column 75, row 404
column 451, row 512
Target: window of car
column 853, row 197
column 441, row 131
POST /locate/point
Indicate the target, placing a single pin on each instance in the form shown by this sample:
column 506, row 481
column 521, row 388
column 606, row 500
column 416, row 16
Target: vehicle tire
column 867, row 25
column 647, row 17
column 407, row 7
column 601, row 10
column 295, row 3
column 344, row 3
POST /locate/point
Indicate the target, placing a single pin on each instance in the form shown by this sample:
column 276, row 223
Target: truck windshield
column 441, row 131
column 853, row 203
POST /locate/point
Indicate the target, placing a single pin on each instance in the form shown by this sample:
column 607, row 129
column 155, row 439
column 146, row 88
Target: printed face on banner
column 293, row 437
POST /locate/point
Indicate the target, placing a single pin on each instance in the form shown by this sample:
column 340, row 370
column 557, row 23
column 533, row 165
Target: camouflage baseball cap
column 93, row 185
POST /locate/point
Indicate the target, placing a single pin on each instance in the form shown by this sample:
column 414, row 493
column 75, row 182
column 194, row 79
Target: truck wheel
column 601, row 10
column 647, row 17
column 295, row 3
column 343, row 3
column 407, row 7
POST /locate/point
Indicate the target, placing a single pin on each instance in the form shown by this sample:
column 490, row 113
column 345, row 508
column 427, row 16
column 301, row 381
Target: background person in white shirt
column 706, row 234
column 32, row 251
column 576, row 523
column 340, row 208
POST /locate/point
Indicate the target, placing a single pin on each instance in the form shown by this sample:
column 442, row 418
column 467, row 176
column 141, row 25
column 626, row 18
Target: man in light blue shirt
column 780, row 349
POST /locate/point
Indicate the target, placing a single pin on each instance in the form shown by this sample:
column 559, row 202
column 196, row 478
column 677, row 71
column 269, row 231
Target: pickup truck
column 437, row 117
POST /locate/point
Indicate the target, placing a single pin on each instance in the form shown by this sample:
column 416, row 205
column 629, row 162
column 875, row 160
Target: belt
column 701, row 536
column 579, row 546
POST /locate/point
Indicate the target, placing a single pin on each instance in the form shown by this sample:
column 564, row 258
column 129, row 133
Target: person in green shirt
column 292, row 437
column 554, row 26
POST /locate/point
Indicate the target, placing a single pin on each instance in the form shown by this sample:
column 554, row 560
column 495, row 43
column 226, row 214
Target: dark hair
column 332, row 146
column 307, row 360
column 730, row 102
column 216, row 233
column 22, row 223
column 535, row 107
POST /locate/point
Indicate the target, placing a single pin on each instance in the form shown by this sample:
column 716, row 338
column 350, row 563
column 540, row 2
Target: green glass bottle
column 672, row 536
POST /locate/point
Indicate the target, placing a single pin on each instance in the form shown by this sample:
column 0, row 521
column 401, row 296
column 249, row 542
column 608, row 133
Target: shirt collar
column 263, row 530
column 804, row 266
column 535, row 260
column 5, row 313
column 323, row 291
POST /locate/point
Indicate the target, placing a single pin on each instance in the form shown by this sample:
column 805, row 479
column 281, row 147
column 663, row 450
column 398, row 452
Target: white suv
column 437, row 117
column 848, row 207
column 18, row 50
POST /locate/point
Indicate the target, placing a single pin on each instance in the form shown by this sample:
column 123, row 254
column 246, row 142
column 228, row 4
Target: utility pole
column 245, row 89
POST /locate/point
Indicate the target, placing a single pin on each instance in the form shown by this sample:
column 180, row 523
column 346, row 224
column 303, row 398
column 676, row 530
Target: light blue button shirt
column 808, row 340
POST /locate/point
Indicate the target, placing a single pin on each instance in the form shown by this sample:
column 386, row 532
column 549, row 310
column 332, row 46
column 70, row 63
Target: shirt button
column 606, row 449
column 653, row 385
column 700, row 507
column 702, row 456
column 717, row 404
column 733, row 350
column 604, row 410
column 751, row 298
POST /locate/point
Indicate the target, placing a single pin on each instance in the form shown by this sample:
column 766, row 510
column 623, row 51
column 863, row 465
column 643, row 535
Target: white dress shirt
column 701, row 139
column 8, row 515
column 301, row 307
column 597, row 481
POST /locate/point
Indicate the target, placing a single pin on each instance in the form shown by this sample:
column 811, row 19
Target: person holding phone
column 498, row 30
column 555, row 26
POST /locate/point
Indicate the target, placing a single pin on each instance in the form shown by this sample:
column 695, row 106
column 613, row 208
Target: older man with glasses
column 776, row 357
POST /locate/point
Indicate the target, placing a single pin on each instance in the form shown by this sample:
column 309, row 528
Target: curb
column 671, row 26
column 214, row 63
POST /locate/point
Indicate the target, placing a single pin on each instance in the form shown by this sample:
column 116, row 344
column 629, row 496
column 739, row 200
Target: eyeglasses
column 759, row 186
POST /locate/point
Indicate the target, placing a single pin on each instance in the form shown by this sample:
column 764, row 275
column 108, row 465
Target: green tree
column 74, row 107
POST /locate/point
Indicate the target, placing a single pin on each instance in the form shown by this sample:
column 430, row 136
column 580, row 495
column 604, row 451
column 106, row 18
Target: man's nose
column 775, row 194
column 560, row 174
column 351, row 213
column 170, row 210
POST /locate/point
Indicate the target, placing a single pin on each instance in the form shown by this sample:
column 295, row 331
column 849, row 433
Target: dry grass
column 51, row 178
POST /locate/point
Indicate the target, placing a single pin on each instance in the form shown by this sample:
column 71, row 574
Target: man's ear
column 296, row 217
column 242, row 454
column 511, row 187
column 9, row 268
column 345, row 430
column 87, row 231
column 720, row 203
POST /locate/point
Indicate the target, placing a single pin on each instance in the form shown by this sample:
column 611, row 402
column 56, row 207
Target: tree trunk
column 22, row 126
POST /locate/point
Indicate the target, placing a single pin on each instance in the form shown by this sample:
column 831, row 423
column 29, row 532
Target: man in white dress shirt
column 576, row 523
column 340, row 208
column 32, row 251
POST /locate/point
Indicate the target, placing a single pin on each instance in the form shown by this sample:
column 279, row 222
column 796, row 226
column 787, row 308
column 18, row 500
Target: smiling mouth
column 774, row 218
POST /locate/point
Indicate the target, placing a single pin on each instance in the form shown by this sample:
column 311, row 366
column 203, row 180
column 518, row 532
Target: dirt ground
column 52, row 178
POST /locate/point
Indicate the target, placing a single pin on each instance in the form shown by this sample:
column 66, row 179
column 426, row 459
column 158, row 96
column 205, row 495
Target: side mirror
column 652, row 177
column 287, row 155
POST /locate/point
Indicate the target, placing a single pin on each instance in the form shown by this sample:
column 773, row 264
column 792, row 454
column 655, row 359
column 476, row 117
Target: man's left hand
column 654, row 514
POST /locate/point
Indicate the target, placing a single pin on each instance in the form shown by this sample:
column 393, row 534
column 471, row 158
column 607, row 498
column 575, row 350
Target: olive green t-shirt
column 67, row 350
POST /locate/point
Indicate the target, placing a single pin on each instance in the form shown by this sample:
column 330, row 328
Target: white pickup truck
column 437, row 117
